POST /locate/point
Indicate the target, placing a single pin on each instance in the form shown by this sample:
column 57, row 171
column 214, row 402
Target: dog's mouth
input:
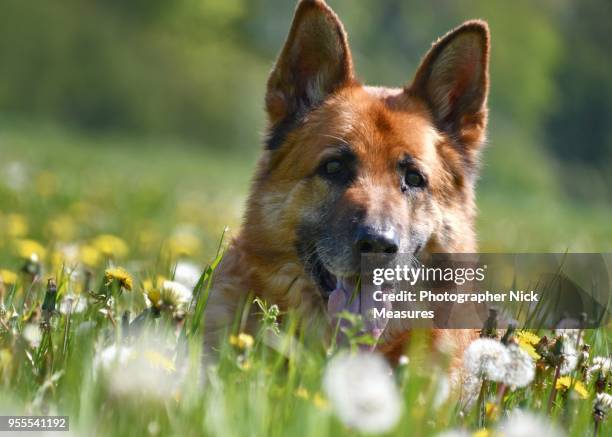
column 345, row 294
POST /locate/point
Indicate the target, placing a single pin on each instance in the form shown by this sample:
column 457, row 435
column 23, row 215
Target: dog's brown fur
column 314, row 104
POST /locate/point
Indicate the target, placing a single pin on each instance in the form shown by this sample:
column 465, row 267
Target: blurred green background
column 146, row 115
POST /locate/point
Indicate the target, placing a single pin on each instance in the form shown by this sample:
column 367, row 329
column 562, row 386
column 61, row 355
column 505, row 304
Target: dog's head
column 350, row 169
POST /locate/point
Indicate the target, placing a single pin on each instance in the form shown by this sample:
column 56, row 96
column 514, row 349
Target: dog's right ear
column 314, row 62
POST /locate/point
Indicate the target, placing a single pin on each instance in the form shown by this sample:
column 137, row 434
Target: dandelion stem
column 501, row 391
column 482, row 410
column 553, row 391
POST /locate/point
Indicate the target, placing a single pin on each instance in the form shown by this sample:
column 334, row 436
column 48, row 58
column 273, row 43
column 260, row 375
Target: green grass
column 166, row 199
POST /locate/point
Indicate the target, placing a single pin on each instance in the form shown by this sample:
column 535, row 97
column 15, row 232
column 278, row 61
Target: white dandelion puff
column 600, row 366
column 31, row 333
column 443, row 390
column 486, row 358
column 114, row 355
column 520, row 423
column 134, row 372
column 72, row 304
column 181, row 293
column 520, row 371
column 602, row 403
column 362, row 392
column 470, row 390
column 187, row 273
column 570, row 356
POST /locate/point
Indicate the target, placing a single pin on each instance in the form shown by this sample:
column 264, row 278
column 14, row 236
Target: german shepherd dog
column 349, row 169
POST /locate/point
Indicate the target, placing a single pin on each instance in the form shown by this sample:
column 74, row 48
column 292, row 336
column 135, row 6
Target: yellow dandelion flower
column 482, row 432
column 89, row 255
column 62, row 228
column 82, row 211
column 241, row 341
column 120, row 275
column 527, row 341
column 565, row 383
column 527, row 337
column 159, row 361
column 148, row 284
column 6, row 361
column 245, row 365
column 183, row 244
column 8, row 277
column 148, row 238
column 30, row 250
column 46, row 184
column 110, row 246
column 302, row 393
column 319, row 401
column 16, row 226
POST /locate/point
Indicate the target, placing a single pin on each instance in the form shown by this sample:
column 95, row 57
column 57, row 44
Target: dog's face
column 351, row 169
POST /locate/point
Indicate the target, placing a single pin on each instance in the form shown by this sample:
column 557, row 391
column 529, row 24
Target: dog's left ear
column 314, row 62
column 453, row 79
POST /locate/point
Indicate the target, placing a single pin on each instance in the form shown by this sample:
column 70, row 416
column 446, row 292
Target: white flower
column 600, row 365
column 570, row 355
column 16, row 175
column 32, row 335
column 362, row 392
column 486, row 358
column 187, row 273
column 520, row 371
column 134, row 372
column 72, row 304
column 523, row 424
column 443, row 389
column 181, row 293
column 470, row 390
column 602, row 403
column 69, row 254
column 114, row 355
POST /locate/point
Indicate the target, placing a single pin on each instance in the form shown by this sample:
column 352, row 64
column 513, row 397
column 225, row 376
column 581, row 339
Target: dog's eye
column 333, row 166
column 414, row 179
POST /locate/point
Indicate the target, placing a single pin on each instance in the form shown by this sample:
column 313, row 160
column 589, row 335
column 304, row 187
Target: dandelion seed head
column 443, row 390
column 72, row 304
column 570, row 356
column 362, row 392
column 520, row 423
column 137, row 372
column 486, row 358
column 520, row 370
column 187, row 273
column 602, row 403
column 600, row 366
column 470, row 390
column 31, row 333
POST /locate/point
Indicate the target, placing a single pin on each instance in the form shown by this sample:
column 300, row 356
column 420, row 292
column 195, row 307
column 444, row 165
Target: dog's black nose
column 371, row 240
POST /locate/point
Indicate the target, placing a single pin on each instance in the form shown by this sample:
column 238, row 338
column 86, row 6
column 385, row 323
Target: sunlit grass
column 130, row 238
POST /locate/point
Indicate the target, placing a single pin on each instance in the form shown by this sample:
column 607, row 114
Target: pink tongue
column 362, row 303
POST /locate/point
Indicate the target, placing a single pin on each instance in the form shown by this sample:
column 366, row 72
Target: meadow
column 107, row 248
